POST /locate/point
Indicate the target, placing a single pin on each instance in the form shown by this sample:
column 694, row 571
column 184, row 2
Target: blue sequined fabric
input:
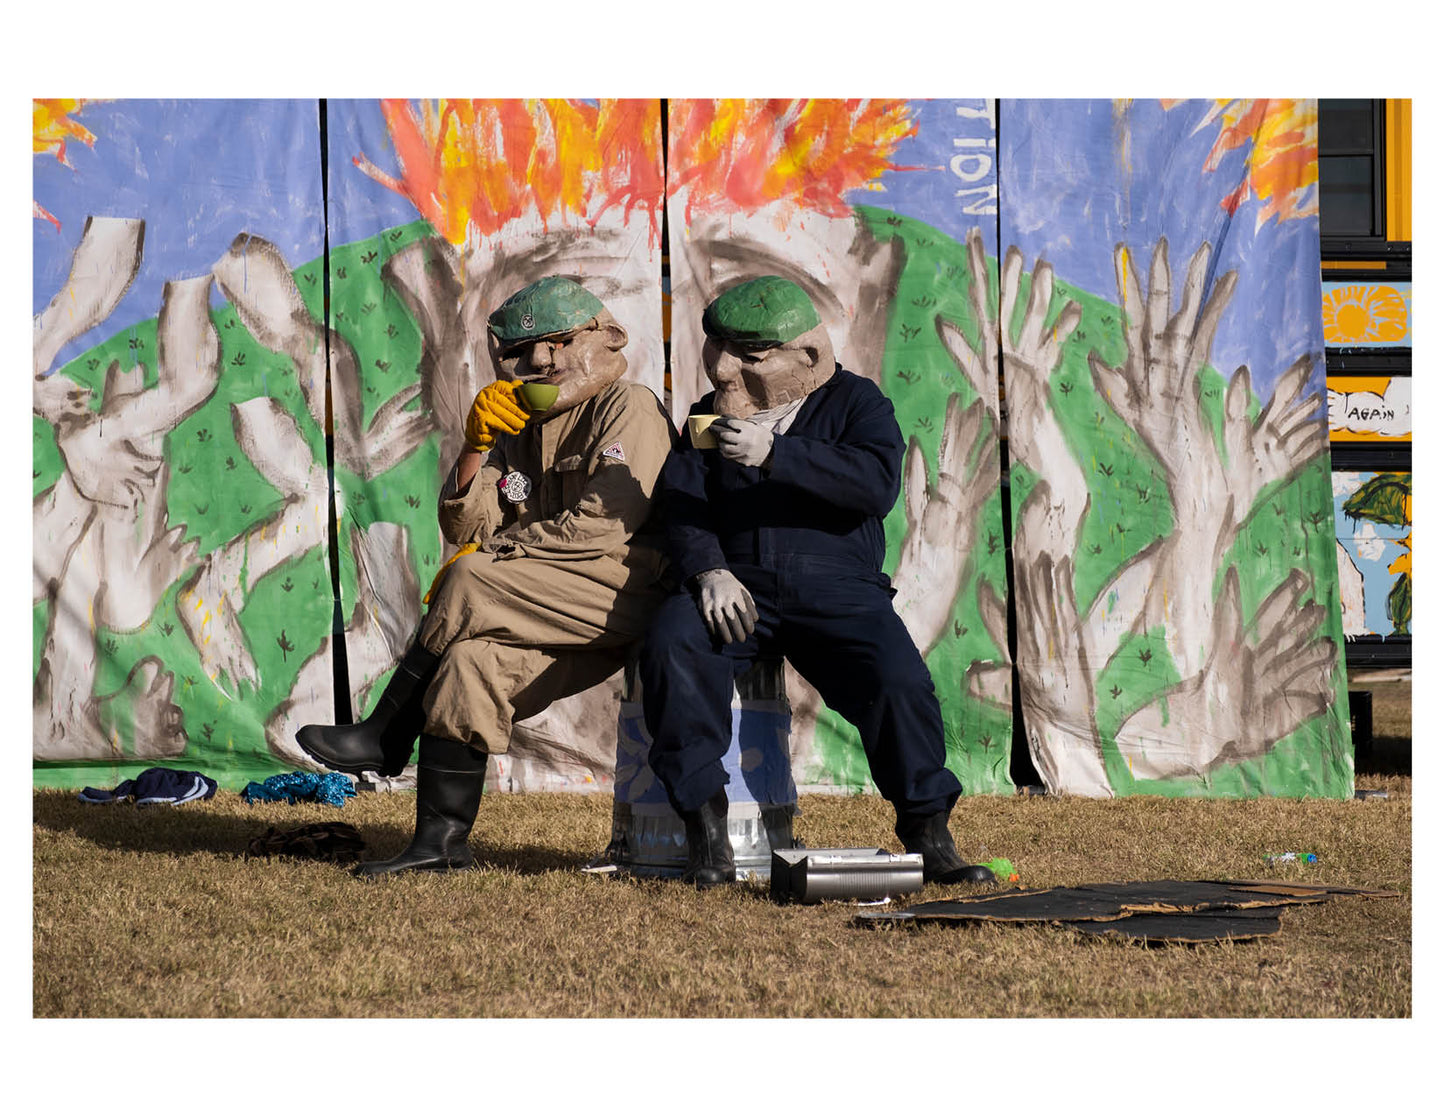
column 308, row 787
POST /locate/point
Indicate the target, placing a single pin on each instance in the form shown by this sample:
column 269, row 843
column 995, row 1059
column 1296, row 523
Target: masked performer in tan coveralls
column 558, row 572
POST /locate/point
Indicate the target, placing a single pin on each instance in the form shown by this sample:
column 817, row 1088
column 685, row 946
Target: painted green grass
column 918, row 375
column 388, row 349
column 1288, row 528
column 289, row 611
column 218, row 495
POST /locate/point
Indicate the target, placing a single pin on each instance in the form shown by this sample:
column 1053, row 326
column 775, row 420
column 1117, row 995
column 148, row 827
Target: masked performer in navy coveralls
column 776, row 534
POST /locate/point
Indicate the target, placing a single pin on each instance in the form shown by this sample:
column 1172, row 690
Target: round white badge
column 515, row 486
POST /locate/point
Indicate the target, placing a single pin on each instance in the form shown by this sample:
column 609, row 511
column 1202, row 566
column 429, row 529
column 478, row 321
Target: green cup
column 537, row 396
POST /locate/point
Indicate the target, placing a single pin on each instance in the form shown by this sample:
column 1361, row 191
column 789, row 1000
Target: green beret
column 769, row 310
column 554, row 305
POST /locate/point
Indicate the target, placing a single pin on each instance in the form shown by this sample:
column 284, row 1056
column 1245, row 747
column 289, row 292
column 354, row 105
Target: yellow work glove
column 464, row 549
column 494, row 411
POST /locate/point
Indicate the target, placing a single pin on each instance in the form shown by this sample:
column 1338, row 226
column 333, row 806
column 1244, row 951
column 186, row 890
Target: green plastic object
column 1002, row 868
column 765, row 311
column 554, row 305
column 537, row 396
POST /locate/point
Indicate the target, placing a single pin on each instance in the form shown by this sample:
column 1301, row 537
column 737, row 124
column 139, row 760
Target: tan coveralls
column 564, row 582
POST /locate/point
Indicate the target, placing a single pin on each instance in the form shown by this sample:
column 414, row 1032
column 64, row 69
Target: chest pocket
column 573, row 471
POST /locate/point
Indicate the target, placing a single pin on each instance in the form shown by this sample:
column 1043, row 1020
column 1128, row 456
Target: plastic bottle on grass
column 1302, row 858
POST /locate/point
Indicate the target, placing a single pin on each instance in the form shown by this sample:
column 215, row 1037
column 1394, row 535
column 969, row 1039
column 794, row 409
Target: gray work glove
column 743, row 442
column 726, row 606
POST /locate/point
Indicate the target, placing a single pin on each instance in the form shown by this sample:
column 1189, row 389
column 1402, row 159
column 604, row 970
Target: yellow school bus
column 1367, row 307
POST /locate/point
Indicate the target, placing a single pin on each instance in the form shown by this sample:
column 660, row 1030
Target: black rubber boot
column 381, row 742
column 709, row 849
column 449, row 778
column 928, row 835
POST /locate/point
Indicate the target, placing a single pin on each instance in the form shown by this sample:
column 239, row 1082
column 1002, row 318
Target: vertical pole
column 340, row 676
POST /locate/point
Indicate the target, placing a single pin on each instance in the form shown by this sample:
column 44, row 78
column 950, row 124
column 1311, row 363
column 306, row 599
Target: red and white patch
column 615, row 452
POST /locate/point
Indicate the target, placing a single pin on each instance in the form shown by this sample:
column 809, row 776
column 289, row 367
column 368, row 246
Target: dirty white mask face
column 847, row 273
column 749, row 380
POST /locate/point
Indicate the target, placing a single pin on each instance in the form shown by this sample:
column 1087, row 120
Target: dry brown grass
column 156, row 913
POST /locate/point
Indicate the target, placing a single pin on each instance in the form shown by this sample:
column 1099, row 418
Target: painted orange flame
column 1282, row 137
column 52, row 126
column 472, row 166
column 51, row 129
column 740, row 154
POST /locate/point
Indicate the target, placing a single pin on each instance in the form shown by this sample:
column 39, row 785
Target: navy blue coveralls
column 805, row 536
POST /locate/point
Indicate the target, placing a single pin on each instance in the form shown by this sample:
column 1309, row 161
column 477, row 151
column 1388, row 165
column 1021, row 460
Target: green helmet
column 554, row 305
column 765, row 311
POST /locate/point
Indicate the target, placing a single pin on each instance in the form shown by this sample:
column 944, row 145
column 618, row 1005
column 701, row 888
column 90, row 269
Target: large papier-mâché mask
column 557, row 332
column 765, row 346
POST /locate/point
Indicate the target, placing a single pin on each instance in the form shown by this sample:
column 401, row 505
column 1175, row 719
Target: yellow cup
column 697, row 429
column 537, row 396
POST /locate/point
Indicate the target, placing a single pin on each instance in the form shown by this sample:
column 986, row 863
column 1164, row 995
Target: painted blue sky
column 361, row 206
column 202, row 171
column 953, row 151
column 1075, row 181
column 199, row 172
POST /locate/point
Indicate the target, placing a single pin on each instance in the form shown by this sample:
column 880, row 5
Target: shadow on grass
column 188, row 828
column 1385, row 756
column 191, row 828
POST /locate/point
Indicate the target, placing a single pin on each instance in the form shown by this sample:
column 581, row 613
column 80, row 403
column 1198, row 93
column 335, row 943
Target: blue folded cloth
column 155, row 786
column 333, row 788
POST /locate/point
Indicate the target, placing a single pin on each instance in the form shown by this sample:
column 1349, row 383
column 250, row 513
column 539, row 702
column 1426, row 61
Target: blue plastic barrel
column 648, row 838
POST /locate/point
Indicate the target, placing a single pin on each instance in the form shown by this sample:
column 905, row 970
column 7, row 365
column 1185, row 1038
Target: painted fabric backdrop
column 180, row 573
column 1178, row 607
column 438, row 211
column 1178, row 597
column 885, row 212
